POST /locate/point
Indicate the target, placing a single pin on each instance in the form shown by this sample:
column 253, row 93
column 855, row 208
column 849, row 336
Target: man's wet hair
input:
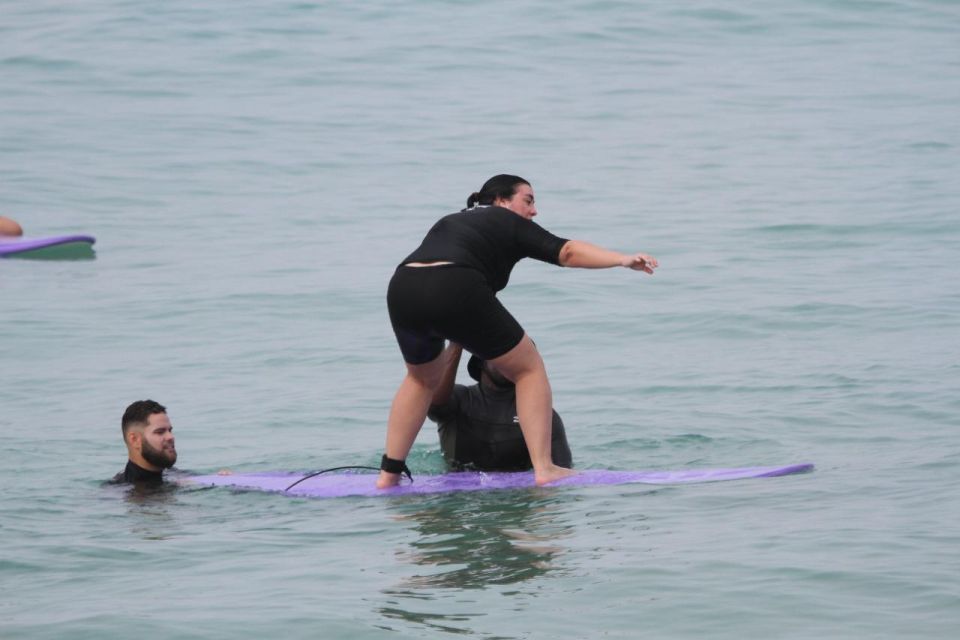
column 139, row 413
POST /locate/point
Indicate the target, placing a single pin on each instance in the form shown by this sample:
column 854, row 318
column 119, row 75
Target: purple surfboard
column 337, row 485
column 63, row 247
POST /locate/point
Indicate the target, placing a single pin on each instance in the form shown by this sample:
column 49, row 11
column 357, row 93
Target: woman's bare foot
column 552, row 474
column 387, row 480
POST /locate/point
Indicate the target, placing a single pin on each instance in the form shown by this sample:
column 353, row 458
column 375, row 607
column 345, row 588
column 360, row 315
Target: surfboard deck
column 338, row 485
column 67, row 247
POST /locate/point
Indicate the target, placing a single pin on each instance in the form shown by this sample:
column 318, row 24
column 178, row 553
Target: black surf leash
column 386, row 464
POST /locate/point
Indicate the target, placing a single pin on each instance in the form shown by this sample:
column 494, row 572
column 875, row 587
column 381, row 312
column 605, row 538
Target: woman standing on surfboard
column 446, row 290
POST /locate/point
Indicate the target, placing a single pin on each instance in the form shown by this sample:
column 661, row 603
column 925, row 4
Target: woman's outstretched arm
column 583, row 255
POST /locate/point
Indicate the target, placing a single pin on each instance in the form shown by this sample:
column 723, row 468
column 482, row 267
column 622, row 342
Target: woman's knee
column 427, row 374
column 523, row 359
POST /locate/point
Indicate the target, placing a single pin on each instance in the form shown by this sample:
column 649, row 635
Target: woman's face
column 522, row 203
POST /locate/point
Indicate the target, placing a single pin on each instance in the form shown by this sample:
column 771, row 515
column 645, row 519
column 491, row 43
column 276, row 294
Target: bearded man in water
column 151, row 448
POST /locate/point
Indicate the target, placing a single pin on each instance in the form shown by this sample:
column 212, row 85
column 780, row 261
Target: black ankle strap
column 395, row 466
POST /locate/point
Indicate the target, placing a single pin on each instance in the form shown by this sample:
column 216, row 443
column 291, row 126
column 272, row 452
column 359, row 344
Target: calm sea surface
column 254, row 170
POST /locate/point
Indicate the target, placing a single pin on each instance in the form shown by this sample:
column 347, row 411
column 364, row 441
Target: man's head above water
column 148, row 435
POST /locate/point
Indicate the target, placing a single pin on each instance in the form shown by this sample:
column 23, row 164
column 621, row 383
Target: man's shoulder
column 488, row 406
column 476, row 398
column 448, row 409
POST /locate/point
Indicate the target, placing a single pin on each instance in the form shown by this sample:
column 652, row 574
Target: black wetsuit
column 490, row 239
column 479, row 429
column 458, row 302
column 135, row 474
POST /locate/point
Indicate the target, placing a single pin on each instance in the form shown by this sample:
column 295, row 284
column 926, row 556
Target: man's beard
column 162, row 458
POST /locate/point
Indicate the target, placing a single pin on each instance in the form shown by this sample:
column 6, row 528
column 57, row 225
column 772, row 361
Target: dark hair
column 139, row 413
column 498, row 187
column 475, row 367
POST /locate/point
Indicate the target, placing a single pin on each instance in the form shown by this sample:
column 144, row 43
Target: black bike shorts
column 448, row 302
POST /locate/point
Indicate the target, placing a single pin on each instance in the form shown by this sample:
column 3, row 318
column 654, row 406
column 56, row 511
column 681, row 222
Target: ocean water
column 253, row 172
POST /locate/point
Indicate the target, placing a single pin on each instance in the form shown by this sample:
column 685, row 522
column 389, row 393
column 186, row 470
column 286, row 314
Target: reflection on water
column 474, row 541
column 150, row 508
column 480, row 539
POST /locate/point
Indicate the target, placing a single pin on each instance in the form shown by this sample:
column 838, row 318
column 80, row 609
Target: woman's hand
column 640, row 262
